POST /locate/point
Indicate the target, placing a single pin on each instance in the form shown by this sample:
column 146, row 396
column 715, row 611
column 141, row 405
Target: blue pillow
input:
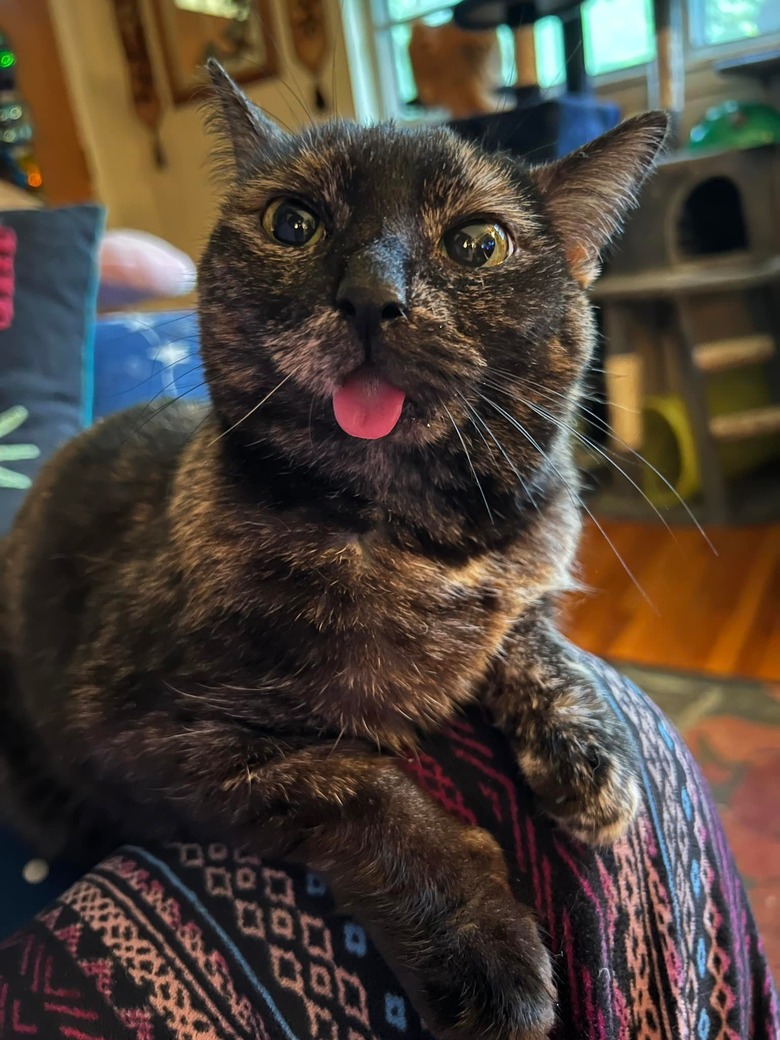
column 137, row 358
column 46, row 354
column 146, row 357
column 45, row 398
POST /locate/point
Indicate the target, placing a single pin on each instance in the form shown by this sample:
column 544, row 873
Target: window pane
column 550, row 62
column 399, row 41
column 618, row 34
column 723, row 21
column 506, row 48
column 398, row 10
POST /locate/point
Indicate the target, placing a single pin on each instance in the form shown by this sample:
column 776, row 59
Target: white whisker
column 468, row 459
column 606, row 428
column 477, row 418
column 251, row 410
column 574, row 495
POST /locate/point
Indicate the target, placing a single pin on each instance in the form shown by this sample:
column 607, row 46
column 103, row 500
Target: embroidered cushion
column 46, row 353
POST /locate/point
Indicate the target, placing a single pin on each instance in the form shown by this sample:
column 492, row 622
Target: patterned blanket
column 652, row 939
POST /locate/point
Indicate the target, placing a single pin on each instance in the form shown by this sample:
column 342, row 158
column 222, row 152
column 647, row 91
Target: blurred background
column 107, row 84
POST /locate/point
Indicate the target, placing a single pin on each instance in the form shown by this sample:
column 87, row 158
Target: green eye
column 292, row 223
column 477, row 244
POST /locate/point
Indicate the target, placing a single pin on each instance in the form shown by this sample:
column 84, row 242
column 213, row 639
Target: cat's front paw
column 489, row 975
column 582, row 768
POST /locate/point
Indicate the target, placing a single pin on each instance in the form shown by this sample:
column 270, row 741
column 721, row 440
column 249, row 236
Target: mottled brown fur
column 230, row 620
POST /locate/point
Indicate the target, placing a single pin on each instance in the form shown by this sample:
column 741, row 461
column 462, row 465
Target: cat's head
column 374, row 298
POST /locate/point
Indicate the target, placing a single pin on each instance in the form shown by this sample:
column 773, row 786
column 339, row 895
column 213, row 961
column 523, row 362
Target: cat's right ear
column 246, row 132
column 588, row 193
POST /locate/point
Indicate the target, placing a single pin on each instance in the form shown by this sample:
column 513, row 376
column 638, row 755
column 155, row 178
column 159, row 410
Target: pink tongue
column 367, row 406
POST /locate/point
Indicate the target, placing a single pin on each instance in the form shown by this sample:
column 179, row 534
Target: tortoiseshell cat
column 231, row 621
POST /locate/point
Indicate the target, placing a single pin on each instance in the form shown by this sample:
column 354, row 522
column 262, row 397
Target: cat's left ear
column 248, row 133
column 589, row 192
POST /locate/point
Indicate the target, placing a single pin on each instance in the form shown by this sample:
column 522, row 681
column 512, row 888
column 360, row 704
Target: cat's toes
column 593, row 793
column 491, row 978
column 605, row 813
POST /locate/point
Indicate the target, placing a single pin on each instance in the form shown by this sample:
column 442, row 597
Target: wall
column 178, row 202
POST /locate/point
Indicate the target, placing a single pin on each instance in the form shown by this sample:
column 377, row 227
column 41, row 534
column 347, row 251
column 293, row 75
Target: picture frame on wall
column 238, row 33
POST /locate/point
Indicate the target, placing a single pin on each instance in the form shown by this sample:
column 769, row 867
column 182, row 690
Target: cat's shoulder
column 154, row 427
column 149, row 436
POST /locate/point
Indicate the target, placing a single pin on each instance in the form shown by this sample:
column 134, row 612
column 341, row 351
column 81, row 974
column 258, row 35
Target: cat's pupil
column 293, row 225
column 476, row 245
column 473, row 246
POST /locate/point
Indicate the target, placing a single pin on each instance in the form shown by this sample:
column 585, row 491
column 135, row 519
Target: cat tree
column 537, row 126
column 547, row 127
column 692, row 296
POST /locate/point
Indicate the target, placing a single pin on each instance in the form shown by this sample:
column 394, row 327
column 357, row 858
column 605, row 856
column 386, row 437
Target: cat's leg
column 436, row 897
column 433, row 893
column 574, row 751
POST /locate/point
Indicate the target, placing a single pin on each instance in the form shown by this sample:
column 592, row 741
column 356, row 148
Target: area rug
column 733, row 729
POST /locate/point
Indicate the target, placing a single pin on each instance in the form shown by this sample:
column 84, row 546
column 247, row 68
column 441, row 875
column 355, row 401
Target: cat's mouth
column 367, row 406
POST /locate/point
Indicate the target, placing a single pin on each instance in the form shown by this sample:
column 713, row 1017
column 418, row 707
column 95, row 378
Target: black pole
column 666, row 88
column 574, row 52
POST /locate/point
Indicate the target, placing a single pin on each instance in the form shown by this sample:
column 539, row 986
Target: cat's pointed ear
column 245, row 131
column 588, row 193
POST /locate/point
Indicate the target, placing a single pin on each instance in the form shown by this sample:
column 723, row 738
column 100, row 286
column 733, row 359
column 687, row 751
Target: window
column 713, row 22
column 617, row 35
column 550, row 61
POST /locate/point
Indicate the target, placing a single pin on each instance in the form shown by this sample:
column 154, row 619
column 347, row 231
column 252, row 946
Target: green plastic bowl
column 737, row 124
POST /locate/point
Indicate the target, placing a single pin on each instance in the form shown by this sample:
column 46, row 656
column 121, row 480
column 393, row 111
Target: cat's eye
column 477, row 244
column 291, row 223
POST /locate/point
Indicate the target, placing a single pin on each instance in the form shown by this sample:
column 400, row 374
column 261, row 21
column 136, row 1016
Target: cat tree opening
column 712, row 220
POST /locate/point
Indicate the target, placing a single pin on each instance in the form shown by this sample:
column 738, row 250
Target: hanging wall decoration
column 146, row 100
column 237, row 33
column 309, row 30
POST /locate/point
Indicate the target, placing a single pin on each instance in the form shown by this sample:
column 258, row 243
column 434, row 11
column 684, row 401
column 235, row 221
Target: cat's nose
column 367, row 305
column 372, row 291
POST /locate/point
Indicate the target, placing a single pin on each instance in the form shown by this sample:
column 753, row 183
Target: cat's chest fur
column 362, row 630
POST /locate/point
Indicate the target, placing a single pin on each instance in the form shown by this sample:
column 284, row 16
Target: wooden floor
column 716, row 614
